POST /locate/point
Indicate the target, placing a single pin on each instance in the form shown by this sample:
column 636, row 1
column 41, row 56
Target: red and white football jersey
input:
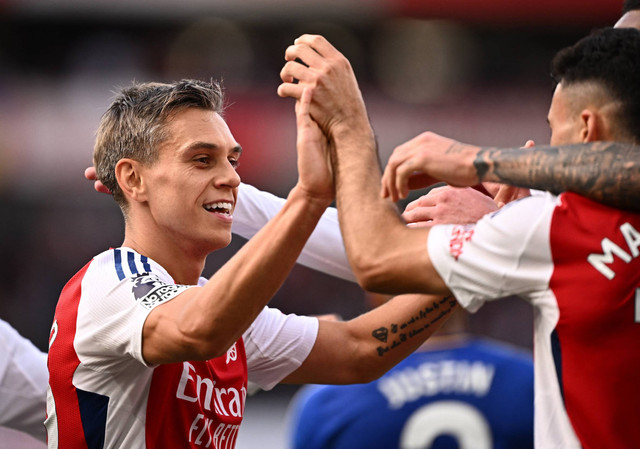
column 576, row 262
column 103, row 394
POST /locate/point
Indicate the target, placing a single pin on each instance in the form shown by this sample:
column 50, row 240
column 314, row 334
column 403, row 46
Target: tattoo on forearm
column 607, row 172
column 481, row 165
column 396, row 334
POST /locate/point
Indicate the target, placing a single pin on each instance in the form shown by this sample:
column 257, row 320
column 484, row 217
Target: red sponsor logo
column 459, row 235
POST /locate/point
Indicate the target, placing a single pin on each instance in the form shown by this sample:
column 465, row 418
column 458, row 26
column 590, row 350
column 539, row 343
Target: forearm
column 391, row 332
column 384, row 253
column 324, row 251
column 366, row 347
column 607, row 172
column 255, row 273
column 363, row 215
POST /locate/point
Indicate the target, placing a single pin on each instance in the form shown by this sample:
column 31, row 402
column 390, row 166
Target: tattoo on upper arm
column 396, row 334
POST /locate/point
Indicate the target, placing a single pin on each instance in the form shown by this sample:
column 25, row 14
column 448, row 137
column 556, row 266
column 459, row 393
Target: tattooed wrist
column 608, row 172
column 481, row 165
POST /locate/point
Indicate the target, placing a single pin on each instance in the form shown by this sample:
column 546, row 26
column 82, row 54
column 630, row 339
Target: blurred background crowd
column 476, row 71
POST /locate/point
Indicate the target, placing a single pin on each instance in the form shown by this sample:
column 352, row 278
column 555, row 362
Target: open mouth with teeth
column 223, row 208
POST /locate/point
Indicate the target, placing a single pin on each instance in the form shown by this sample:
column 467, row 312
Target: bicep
column 164, row 337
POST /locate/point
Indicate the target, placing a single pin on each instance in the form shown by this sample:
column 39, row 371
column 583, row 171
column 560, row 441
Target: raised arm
column 385, row 254
column 203, row 322
column 608, row 172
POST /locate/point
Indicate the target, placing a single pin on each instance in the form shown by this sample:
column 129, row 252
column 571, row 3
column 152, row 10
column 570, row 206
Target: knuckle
column 290, row 50
column 427, row 135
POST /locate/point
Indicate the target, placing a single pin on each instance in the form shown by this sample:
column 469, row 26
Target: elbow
column 367, row 268
column 365, row 371
column 370, row 280
column 201, row 349
column 374, row 275
column 377, row 263
column 364, row 364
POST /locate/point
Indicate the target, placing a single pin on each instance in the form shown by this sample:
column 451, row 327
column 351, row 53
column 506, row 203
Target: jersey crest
column 150, row 291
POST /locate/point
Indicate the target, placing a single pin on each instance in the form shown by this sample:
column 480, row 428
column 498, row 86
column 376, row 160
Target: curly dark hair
column 630, row 5
column 609, row 57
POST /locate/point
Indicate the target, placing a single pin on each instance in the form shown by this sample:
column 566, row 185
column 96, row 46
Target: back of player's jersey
column 477, row 395
column 596, row 282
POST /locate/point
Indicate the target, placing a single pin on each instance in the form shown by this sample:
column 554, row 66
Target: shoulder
column 122, row 278
column 524, row 210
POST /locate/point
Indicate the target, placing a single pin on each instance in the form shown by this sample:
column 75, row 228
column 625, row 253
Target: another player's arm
column 364, row 348
column 386, row 256
column 607, row 172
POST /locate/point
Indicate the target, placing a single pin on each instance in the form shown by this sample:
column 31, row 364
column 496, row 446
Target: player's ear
column 130, row 179
column 590, row 125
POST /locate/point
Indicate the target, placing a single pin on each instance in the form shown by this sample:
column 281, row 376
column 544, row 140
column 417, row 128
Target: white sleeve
column 324, row 250
column 110, row 324
column 276, row 345
column 23, row 383
column 506, row 253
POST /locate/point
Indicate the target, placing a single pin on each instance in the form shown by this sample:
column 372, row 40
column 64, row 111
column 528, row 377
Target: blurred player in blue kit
column 456, row 391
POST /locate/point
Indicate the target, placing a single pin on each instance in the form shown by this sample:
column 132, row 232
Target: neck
column 184, row 264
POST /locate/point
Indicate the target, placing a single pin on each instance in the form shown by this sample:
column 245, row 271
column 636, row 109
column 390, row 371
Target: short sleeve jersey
column 473, row 394
column 102, row 393
column 576, row 262
column 23, row 383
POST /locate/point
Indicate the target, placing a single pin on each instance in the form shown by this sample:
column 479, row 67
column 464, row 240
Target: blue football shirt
column 476, row 395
